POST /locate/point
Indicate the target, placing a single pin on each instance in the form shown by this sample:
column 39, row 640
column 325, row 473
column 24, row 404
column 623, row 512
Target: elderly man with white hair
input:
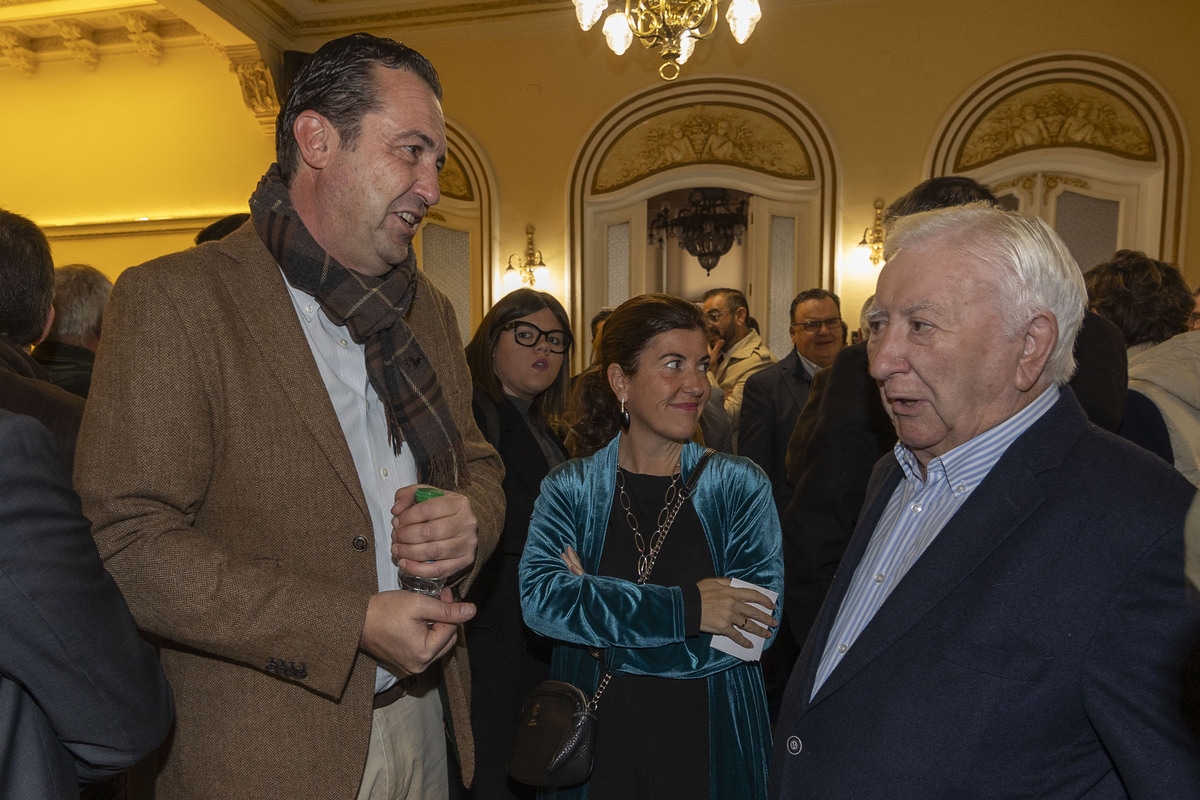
column 1011, row 617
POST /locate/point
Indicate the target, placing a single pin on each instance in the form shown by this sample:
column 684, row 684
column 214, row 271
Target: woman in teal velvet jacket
column 654, row 356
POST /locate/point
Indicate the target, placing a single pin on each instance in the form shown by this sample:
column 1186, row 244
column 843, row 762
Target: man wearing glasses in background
column 774, row 397
column 736, row 349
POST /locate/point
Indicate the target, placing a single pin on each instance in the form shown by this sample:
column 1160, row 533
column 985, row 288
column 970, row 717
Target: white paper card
column 727, row 645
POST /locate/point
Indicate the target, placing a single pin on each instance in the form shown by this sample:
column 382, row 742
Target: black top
column 653, row 732
column 70, row 366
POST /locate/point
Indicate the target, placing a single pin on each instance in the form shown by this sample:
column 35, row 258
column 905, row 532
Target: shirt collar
column 809, row 366
column 965, row 467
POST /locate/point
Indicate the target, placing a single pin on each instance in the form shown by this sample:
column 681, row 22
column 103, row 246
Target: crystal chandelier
column 707, row 228
column 672, row 26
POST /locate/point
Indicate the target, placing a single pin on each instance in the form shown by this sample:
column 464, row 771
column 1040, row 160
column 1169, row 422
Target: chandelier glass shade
column 670, row 26
column 707, row 228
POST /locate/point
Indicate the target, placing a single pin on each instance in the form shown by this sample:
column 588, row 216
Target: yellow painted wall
column 127, row 140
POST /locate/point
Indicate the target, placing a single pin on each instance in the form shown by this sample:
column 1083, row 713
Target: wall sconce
column 873, row 236
column 529, row 270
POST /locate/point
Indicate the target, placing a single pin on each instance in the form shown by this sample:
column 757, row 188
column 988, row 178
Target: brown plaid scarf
column 373, row 309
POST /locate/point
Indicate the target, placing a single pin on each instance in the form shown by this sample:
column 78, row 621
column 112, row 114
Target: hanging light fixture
column 707, row 229
column 529, row 270
column 671, row 26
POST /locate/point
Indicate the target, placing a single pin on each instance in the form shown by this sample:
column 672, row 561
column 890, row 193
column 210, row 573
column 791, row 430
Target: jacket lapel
column 262, row 304
column 883, row 481
column 1006, row 497
column 798, row 379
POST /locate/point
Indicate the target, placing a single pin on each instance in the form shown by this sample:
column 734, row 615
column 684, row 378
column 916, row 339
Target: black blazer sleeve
column 82, row 695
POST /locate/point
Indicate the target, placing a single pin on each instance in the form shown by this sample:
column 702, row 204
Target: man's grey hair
column 80, row 294
column 1033, row 270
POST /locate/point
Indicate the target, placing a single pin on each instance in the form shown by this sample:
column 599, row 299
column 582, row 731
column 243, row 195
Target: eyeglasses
column 528, row 335
column 834, row 324
column 715, row 314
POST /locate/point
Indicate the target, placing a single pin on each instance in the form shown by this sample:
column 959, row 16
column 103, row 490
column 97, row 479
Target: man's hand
column 408, row 631
column 715, row 346
column 436, row 538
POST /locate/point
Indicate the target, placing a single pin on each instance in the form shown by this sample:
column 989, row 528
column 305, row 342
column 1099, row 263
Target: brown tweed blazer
column 225, row 502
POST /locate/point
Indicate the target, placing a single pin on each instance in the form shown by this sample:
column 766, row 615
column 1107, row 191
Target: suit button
column 794, row 745
column 360, row 543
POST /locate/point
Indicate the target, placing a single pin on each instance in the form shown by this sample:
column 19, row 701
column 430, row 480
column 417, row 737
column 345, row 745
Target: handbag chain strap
column 644, row 576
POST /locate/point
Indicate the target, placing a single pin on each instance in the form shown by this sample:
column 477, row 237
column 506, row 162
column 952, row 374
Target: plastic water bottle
column 415, row 583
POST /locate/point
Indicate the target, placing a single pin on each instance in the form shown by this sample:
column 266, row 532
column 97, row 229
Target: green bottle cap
column 426, row 492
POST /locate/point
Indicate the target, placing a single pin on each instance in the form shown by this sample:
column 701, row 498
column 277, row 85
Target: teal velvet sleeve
column 588, row 610
column 734, row 502
column 642, row 626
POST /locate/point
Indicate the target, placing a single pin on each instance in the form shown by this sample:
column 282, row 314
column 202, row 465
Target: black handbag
column 556, row 737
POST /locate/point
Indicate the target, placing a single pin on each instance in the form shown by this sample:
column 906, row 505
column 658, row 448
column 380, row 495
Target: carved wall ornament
column 15, row 48
column 1024, row 182
column 79, row 42
column 1054, row 181
column 703, row 134
column 143, row 32
column 453, row 181
column 258, row 88
column 1059, row 114
column 257, row 92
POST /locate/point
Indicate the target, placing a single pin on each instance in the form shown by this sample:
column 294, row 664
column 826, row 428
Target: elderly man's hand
column 408, row 631
column 436, row 538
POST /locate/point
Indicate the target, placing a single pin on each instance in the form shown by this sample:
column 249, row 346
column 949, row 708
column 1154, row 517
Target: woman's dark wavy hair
column 593, row 417
column 1146, row 298
column 547, row 408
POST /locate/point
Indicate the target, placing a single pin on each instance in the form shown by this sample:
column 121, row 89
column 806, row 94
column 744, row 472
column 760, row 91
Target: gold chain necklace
column 672, row 502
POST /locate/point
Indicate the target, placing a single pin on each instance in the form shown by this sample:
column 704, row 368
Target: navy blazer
column 82, row 696
column 1034, row 650
column 771, row 404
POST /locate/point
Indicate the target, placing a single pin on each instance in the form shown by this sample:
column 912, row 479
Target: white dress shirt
column 343, row 367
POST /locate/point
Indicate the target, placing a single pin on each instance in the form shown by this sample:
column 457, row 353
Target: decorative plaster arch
column 468, row 185
column 722, row 131
column 1072, row 108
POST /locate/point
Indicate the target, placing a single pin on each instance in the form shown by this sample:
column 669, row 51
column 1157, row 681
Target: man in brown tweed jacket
column 262, row 411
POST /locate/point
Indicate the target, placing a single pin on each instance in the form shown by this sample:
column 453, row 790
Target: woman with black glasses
column 518, row 360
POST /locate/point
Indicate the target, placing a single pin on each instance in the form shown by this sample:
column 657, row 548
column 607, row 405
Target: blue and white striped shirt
column 916, row 513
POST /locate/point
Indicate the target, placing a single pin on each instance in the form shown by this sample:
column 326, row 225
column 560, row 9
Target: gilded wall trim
column 130, row 227
column 708, row 133
column 1057, row 114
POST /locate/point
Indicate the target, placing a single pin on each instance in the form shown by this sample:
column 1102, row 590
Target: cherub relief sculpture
column 1064, row 114
column 702, row 134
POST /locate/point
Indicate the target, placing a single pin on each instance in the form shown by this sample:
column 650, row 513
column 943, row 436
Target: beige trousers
column 407, row 756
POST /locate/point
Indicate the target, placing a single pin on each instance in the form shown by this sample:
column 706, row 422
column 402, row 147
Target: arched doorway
column 1090, row 144
column 709, row 132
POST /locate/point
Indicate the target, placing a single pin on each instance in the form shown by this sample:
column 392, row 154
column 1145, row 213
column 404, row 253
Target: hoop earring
column 624, row 416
